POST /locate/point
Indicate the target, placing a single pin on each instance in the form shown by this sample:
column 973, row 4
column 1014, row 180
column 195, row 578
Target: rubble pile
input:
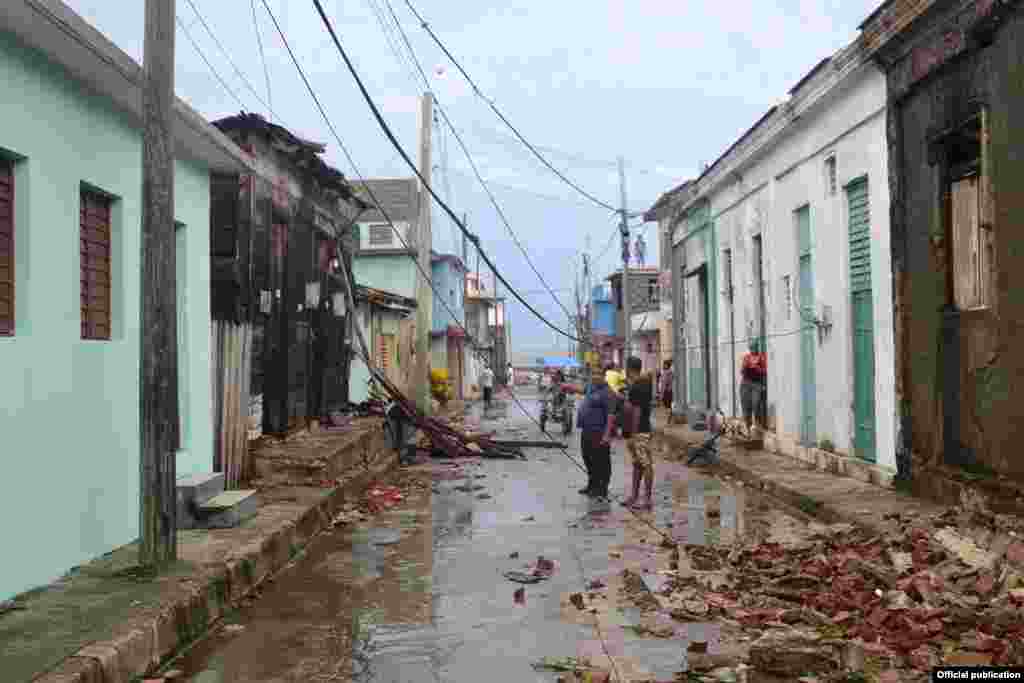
column 928, row 591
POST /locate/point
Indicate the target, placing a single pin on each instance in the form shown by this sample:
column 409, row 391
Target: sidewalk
column 829, row 497
column 108, row 622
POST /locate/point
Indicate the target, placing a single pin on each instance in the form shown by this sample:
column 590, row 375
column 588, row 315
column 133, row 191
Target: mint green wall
column 395, row 273
column 69, row 409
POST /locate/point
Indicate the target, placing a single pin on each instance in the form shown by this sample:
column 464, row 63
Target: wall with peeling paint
column 935, row 92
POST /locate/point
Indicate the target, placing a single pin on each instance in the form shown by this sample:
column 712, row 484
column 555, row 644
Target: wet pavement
column 418, row 592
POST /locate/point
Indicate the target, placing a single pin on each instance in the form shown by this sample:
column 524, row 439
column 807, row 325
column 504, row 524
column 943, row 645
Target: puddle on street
column 418, row 594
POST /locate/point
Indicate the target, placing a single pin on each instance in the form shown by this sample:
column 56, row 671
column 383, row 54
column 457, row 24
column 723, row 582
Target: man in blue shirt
column 596, row 419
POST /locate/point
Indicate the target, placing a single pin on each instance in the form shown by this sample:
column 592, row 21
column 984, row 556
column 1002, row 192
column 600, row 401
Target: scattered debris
column 523, row 577
column 484, row 496
column 519, row 596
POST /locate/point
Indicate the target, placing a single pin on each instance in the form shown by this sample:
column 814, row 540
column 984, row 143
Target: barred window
column 95, row 265
column 6, row 248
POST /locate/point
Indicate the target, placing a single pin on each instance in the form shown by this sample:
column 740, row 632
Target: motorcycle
column 557, row 405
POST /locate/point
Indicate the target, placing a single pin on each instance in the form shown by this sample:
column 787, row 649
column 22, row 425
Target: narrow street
column 417, row 592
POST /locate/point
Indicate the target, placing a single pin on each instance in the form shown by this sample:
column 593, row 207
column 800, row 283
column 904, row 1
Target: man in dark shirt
column 637, row 432
column 596, row 419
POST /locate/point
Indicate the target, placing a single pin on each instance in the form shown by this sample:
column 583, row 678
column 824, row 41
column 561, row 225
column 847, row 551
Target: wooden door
column 863, row 320
column 808, row 378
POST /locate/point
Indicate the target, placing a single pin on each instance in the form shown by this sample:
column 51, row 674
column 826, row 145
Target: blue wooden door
column 862, row 318
column 808, row 379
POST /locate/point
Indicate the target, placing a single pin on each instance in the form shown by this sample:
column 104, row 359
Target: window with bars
column 95, row 264
column 380, row 236
column 6, row 248
column 830, row 174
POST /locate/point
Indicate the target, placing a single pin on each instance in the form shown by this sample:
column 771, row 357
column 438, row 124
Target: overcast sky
column 668, row 84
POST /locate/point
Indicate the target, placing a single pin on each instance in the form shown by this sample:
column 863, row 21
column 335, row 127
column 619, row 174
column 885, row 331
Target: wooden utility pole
column 424, row 240
column 624, row 230
column 158, row 368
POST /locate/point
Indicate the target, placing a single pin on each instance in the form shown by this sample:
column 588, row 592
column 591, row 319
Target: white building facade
column 798, row 212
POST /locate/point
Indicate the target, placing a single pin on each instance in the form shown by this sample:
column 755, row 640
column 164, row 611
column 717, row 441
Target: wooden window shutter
column 95, row 265
column 967, row 284
column 6, row 248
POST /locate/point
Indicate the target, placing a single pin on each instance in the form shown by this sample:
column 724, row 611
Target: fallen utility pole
column 528, row 444
column 442, row 436
column 158, row 339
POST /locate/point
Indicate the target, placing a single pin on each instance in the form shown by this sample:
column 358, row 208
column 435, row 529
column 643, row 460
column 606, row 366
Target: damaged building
column 955, row 101
column 281, row 243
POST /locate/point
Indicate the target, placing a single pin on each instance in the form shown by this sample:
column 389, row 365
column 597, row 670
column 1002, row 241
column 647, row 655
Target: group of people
column 614, row 402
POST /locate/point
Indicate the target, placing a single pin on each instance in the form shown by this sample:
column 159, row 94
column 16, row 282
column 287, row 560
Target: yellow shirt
column 615, row 379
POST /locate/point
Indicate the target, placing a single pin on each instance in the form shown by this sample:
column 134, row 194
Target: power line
column 234, row 66
column 469, row 158
column 405, row 157
column 580, row 160
column 423, row 274
column 392, row 41
column 209, row 66
column 263, row 58
column 522, row 190
column 494, row 108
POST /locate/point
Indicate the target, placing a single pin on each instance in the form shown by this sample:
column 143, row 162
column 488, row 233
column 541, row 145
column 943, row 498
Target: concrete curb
column 154, row 642
column 819, row 509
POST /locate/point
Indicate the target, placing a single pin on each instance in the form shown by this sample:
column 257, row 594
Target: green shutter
column 860, row 236
column 808, row 370
column 862, row 303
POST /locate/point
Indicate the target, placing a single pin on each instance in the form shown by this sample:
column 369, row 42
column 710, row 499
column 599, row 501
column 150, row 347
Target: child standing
column 637, row 432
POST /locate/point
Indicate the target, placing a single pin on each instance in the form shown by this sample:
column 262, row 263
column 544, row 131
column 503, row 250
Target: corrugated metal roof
column 398, row 196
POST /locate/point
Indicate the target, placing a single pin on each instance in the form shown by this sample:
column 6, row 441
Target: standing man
column 487, row 385
column 637, row 432
column 667, row 377
column 596, row 420
column 753, row 373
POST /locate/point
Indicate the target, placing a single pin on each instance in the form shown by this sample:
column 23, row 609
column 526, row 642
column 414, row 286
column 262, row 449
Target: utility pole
column 624, row 231
column 424, row 240
column 158, row 338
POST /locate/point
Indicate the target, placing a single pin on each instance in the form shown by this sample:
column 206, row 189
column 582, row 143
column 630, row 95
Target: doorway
column 808, row 377
column 864, row 440
column 699, row 354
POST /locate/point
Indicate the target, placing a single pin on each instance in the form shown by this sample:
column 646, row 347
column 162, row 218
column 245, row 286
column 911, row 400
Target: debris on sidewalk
column 537, row 572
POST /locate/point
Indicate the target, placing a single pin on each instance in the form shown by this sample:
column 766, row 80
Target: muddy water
column 418, row 593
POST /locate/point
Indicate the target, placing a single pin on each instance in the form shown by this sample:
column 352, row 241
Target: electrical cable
column 472, row 163
column 423, row 274
column 234, row 66
column 494, row 108
column 405, row 156
column 209, row 66
column 522, row 190
column 263, row 58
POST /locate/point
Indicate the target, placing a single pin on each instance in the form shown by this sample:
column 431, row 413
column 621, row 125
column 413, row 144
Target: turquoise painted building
column 70, row 222
column 385, row 256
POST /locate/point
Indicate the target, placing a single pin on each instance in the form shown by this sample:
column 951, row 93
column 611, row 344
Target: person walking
column 487, row 385
column 637, row 432
column 753, row 372
column 596, row 420
column 667, row 384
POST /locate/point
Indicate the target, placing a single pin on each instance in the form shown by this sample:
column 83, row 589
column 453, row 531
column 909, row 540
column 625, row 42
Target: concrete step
column 193, row 490
column 227, row 510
